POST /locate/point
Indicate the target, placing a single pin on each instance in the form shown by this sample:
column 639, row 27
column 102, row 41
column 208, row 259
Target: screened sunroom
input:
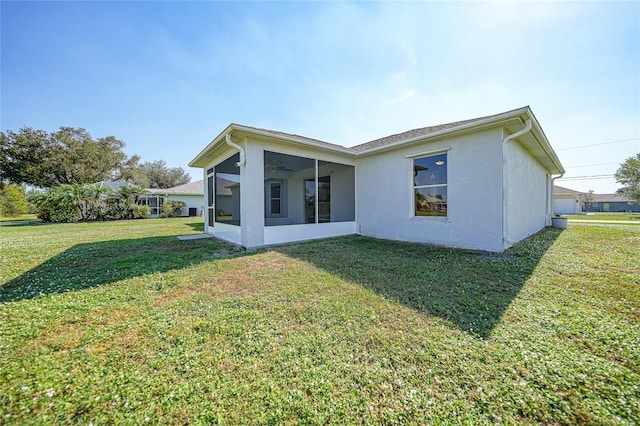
column 276, row 197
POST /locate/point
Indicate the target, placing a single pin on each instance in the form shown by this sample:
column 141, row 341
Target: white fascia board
column 543, row 143
column 203, row 154
column 250, row 131
column 294, row 140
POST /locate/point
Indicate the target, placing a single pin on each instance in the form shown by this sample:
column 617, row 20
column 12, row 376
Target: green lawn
column 605, row 216
column 120, row 322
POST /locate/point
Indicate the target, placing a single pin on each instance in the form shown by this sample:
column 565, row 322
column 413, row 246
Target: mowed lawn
column 120, row 322
column 605, row 216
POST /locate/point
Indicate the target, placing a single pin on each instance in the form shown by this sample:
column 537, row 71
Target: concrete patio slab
column 193, row 237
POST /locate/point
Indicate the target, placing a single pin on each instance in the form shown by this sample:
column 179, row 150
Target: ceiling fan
column 275, row 168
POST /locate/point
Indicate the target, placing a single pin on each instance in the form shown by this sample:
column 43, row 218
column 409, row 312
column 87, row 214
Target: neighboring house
column 191, row 194
column 610, row 203
column 567, row 201
column 484, row 183
column 113, row 185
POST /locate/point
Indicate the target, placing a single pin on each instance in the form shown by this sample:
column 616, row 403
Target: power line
column 590, row 165
column 597, row 144
column 590, row 177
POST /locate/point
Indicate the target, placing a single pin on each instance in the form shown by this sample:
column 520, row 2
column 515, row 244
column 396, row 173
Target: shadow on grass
column 469, row 289
column 197, row 226
column 22, row 222
column 95, row 264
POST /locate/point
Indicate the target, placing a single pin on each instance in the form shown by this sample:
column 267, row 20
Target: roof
column 114, row 184
column 535, row 141
column 196, row 188
column 411, row 134
column 191, row 188
column 559, row 190
column 609, row 198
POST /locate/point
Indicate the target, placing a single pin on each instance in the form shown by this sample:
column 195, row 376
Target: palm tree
column 83, row 197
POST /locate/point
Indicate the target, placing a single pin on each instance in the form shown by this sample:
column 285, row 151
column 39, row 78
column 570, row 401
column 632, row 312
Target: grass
column 122, row 323
column 605, row 216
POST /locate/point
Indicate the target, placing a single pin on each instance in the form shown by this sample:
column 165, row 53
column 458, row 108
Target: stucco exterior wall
column 566, row 205
column 527, row 191
column 191, row 201
column 384, row 194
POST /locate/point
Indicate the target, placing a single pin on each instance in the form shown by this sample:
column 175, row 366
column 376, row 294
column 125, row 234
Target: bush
column 140, row 211
column 58, row 212
column 172, row 208
column 12, row 200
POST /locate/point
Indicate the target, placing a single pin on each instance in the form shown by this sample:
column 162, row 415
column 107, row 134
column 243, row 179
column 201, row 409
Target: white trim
column 310, row 231
column 428, row 153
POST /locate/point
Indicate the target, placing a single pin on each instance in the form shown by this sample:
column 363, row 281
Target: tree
column 130, row 171
column 12, row 200
column 23, row 157
column 73, row 202
column 84, row 197
column 70, row 155
column 161, row 176
column 629, row 175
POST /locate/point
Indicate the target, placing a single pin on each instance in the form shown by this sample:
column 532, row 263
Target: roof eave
column 521, row 113
column 451, row 131
column 200, row 159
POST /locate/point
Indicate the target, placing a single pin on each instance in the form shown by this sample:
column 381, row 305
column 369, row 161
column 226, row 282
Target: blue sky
column 167, row 77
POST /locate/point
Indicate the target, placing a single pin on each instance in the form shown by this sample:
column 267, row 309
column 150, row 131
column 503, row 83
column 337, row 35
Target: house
column 192, row 194
column 567, row 201
column 610, row 203
column 484, row 183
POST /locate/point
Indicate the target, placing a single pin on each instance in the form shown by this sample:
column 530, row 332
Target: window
column 430, row 185
column 153, row 201
column 275, row 198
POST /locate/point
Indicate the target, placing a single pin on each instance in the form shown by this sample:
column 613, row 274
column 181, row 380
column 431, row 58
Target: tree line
column 68, row 160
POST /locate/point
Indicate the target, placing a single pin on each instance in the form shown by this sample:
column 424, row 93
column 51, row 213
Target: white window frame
column 417, row 156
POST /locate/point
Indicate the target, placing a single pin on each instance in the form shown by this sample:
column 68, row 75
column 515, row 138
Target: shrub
column 172, row 208
column 140, row 211
column 55, row 211
column 12, row 200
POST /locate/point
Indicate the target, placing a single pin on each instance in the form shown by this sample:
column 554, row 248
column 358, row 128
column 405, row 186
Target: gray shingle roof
column 387, row 140
column 191, row 188
column 609, row 198
column 410, row 134
column 559, row 190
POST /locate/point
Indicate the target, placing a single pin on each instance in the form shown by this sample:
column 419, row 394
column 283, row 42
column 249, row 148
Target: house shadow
column 197, row 226
column 470, row 290
column 89, row 265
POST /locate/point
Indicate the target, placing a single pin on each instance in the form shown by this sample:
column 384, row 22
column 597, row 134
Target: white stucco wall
column 566, row 205
column 384, row 194
column 526, row 196
column 252, row 196
column 193, row 201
